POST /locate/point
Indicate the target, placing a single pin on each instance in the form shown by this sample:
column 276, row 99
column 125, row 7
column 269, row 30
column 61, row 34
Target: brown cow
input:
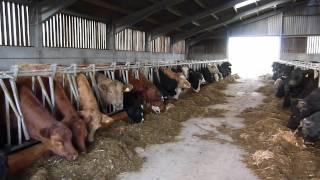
column 23, row 159
column 148, row 91
column 111, row 91
column 71, row 118
column 89, row 107
column 43, row 127
column 183, row 83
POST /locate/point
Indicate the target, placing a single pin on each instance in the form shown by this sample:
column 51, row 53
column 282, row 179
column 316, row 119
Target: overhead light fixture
column 245, row 3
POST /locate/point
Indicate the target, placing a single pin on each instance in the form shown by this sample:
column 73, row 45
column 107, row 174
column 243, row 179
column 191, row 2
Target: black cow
column 299, row 84
column 195, row 79
column 311, row 128
column 305, row 107
column 166, row 85
column 4, row 168
column 133, row 105
column 208, row 76
column 225, row 69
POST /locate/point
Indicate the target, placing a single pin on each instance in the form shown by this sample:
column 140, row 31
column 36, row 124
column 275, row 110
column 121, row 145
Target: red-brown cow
column 71, row 118
column 43, row 127
column 148, row 91
column 89, row 107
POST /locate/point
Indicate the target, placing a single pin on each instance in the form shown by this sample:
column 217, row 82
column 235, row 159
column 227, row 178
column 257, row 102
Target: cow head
column 298, row 112
column 296, row 77
column 112, row 91
column 185, row 71
column 183, row 82
column 154, row 97
column 80, row 134
column 135, row 113
column 60, row 141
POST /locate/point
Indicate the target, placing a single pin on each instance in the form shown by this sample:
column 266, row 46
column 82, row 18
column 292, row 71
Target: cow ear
column 127, row 88
column 45, row 132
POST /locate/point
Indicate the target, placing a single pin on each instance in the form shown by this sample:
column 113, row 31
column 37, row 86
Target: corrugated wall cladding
column 73, row 32
column 130, row 40
column 313, row 46
column 301, row 25
column 293, row 44
column 179, row 47
column 14, row 24
column 161, row 44
column 267, row 27
column 213, row 46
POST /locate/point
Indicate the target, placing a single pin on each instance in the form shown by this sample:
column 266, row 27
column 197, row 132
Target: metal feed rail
column 69, row 73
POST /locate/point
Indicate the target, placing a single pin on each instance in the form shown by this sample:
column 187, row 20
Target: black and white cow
column 196, row 79
column 133, row 105
column 165, row 84
column 207, row 75
column 225, row 69
column 305, row 107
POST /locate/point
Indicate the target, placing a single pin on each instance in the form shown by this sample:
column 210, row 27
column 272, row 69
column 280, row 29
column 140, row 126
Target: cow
column 4, row 168
column 207, row 75
column 166, row 85
column 43, row 127
column 89, row 107
column 133, row 106
column 111, row 91
column 311, row 128
column 182, row 69
column 148, row 91
column 213, row 68
column 225, row 69
column 71, row 118
column 180, row 78
column 196, row 79
column 23, row 159
column 305, row 107
column 299, row 84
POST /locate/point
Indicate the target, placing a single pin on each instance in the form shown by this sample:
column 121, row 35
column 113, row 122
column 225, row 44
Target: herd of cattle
column 300, row 92
column 67, row 131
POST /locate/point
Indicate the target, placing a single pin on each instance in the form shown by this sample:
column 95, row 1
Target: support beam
column 111, row 37
column 213, row 25
column 200, row 4
column 106, row 5
column 86, row 16
column 138, row 16
column 212, row 10
column 50, row 8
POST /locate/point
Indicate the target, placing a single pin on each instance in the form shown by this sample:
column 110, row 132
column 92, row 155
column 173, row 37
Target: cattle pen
column 167, row 89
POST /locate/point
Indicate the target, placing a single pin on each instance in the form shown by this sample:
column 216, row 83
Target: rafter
column 138, row 16
column 213, row 25
column 200, row 3
column 212, row 10
column 50, row 8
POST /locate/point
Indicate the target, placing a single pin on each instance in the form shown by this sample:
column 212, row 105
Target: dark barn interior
column 159, row 89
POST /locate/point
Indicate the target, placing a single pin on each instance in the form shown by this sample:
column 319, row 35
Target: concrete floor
column 213, row 157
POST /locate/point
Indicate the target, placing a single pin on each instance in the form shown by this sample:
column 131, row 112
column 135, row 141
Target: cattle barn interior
column 159, row 89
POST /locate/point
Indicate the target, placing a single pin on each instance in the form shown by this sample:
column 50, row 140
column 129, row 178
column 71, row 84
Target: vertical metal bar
column 23, row 26
column 9, row 23
column 57, row 30
column 51, row 32
column 4, row 23
column 1, row 28
column 44, row 43
column 28, row 26
column 54, row 31
column 14, row 24
column 47, row 34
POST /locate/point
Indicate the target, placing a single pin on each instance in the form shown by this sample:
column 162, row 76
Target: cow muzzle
column 156, row 109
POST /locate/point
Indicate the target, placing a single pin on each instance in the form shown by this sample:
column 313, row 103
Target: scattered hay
column 260, row 156
column 275, row 152
column 114, row 152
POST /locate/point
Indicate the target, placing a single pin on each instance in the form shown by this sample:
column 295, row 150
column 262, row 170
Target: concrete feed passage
column 201, row 150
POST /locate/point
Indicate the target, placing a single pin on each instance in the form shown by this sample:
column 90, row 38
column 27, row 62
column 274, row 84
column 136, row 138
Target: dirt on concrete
column 275, row 152
column 114, row 152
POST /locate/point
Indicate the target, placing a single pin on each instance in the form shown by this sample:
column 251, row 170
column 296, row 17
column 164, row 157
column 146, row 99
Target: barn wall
column 209, row 49
column 24, row 55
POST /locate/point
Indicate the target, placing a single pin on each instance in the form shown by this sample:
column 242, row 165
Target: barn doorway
column 253, row 56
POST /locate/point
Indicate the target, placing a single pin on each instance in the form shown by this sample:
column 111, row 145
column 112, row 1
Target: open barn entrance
column 253, row 56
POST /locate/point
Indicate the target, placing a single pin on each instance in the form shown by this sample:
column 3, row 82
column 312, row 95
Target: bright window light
column 245, row 3
column 253, row 56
